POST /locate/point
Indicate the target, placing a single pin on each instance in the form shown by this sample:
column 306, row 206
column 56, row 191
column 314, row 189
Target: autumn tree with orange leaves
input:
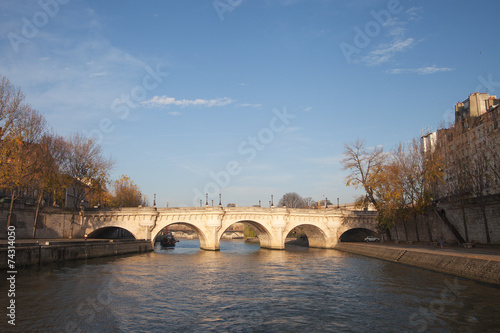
column 126, row 193
column 398, row 184
column 34, row 162
column 21, row 128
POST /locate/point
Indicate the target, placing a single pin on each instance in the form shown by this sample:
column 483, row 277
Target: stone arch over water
column 357, row 234
column 262, row 232
column 316, row 236
column 111, row 232
column 201, row 235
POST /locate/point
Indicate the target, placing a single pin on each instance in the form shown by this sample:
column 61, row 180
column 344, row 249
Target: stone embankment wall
column 47, row 252
column 477, row 269
column 52, row 223
column 57, row 224
column 430, row 228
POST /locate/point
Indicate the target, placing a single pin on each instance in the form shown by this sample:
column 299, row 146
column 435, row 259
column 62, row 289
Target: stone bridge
column 322, row 227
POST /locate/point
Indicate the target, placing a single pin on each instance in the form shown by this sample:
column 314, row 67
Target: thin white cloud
column 283, row 2
column 433, row 69
column 394, row 40
column 414, row 13
column 384, row 52
column 250, row 105
column 309, row 108
column 397, row 31
column 166, row 101
column 393, row 22
column 426, row 70
column 174, row 113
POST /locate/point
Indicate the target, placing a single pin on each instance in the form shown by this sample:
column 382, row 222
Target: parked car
column 372, row 239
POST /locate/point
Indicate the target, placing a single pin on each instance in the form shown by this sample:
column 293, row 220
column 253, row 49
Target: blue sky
column 250, row 98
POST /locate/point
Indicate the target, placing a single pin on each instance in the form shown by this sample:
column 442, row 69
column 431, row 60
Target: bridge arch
column 201, row 235
column 357, row 234
column 111, row 232
column 262, row 232
column 316, row 236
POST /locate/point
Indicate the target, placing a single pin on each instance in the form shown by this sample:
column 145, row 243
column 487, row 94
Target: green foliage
column 297, row 232
column 249, row 232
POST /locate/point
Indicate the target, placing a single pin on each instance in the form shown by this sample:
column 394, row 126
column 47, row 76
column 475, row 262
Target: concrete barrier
column 478, row 269
column 47, row 252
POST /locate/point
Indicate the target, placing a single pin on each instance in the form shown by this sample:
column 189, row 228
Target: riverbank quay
column 480, row 264
column 43, row 251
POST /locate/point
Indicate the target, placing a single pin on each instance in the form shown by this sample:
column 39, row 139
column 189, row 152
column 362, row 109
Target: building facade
column 476, row 105
column 470, row 149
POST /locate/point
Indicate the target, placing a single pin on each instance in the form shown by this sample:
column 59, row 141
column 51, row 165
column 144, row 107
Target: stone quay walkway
column 488, row 252
column 480, row 263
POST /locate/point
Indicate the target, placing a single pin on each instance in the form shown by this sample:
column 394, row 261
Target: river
column 244, row 288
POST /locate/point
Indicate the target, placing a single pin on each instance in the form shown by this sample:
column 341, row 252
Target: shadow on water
column 226, row 246
column 73, row 296
column 182, row 247
column 193, row 247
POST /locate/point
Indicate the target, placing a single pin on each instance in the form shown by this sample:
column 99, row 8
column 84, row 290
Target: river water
column 244, row 288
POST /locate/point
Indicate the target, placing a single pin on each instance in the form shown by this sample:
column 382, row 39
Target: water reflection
column 244, row 289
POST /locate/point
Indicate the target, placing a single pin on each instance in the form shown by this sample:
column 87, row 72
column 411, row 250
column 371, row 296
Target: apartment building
column 470, row 148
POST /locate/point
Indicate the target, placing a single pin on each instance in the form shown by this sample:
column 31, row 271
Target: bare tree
column 492, row 154
column 12, row 107
column 85, row 166
column 457, row 186
column 292, row 200
column 480, row 177
column 364, row 165
column 310, row 203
